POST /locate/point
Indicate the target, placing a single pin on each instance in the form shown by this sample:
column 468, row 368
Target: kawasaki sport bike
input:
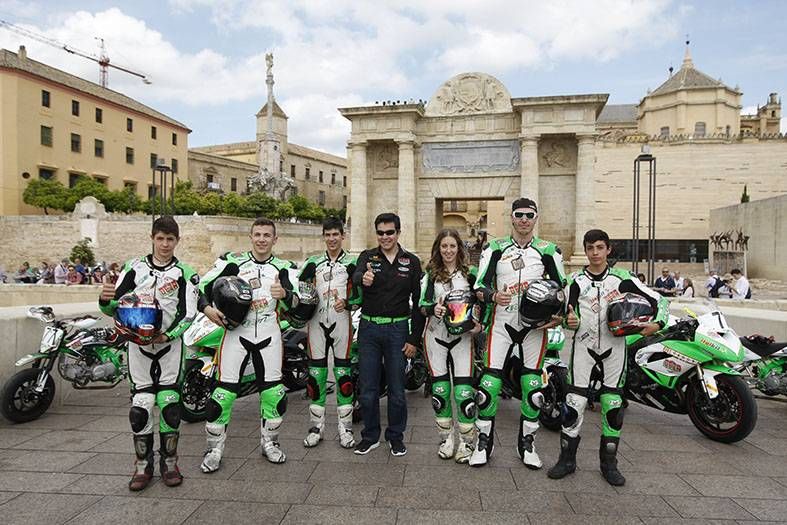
column 200, row 372
column 764, row 365
column 87, row 357
column 688, row 368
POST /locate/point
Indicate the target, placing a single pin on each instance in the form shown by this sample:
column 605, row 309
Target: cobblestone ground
column 73, row 465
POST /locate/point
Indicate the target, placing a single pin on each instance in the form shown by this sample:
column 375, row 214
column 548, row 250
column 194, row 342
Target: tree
column 125, row 201
column 86, row 186
column 45, row 194
column 745, row 196
column 83, row 252
column 259, row 204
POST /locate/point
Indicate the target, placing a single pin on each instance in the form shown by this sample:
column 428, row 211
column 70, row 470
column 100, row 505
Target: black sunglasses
column 389, row 233
column 530, row 215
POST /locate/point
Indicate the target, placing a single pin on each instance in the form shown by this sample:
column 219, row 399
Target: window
column 152, row 191
column 73, row 178
column 344, row 202
column 344, row 181
column 333, row 178
column 153, row 132
column 281, row 166
column 292, row 170
column 99, row 148
column 728, row 130
column 76, row 143
column 321, row 198
column 129, row 125
column 99, row 115
column 174, row 139
column 308, row 173
column 321, row 176
column 234, row 184
column 129, row 155
column 100, row 180
column 209, row 178
column 130, row 186
column 75, row 108
column 664, row 132
column 46, row 173
column 46, row 136
column 174, row 165
column 153, row 160
column 45, row 98
column 699, row 129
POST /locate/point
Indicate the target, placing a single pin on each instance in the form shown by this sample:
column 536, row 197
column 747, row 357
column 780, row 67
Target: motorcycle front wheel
column 195, row 392
column 729, row 417
column 19, row 402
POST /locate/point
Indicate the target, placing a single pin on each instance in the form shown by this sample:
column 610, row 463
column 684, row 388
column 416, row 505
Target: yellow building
column 54, row 125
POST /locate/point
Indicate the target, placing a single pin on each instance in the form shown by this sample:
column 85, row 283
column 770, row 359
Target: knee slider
column 281, row 406
column 312, row 388
column 615, row 418
column 213, row 410
column 570, row 416
column 138, row 417
column 346, row 386
column 171, row 414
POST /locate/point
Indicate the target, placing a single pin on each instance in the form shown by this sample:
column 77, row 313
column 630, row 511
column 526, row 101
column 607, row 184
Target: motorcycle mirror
column 690, row 313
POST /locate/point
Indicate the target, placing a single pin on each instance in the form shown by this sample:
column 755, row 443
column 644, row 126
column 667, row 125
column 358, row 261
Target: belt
column 384, row 320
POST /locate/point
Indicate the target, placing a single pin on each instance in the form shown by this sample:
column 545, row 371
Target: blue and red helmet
column 138, row 318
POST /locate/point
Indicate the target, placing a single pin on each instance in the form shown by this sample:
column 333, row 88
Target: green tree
column 259, row 204
column 233, row 204
column 46, row 194
column 84, row 187
column 125, row 201
column 83, row 252
column 283, row 211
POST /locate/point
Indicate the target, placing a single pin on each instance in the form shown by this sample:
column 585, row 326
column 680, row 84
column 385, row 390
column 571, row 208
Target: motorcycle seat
column 762, row 346
column 83, row 321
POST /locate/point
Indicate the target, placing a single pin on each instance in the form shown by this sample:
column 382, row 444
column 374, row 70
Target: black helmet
column 458, row 316
column 308, row 297
column 628, row 314
column 232, row 297
column 542, row 300
column 138, row 318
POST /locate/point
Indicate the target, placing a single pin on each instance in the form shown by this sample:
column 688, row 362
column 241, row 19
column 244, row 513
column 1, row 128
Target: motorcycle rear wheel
column 19, row 403
column 728, row 418
column 195, row 393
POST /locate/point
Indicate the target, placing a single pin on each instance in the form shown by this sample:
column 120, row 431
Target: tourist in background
column 688, row 288
column 739, row 285
column 665, row 284
column 61, row 271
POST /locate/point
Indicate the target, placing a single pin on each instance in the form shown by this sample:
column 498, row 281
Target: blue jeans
column 378, row 344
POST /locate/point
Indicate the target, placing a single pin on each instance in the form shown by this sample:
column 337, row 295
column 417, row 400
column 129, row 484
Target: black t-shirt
column 396, row 286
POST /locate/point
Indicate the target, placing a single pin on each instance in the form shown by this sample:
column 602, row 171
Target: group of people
column 66, row 272
column 733, row 285
column 402, row 309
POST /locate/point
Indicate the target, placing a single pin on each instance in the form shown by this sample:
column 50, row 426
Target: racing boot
column 217, row 435
column 168, row 459
column 525, row 446
column 445, row 428
column 317, row 419
column 269, row 430
column 143, row 466
column 485, row 443
column 607, row 453
column 567, row 462
column 466, row 439
column 346, row 438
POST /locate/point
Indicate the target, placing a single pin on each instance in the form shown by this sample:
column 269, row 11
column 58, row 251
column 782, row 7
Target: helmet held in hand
column 308, row 298
column 628, row 314
column 232, row 297
column 138, row 318
column 458, row 317
column 542, row 299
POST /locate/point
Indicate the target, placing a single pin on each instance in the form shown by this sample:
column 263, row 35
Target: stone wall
column 119, row 237
column 765, row 222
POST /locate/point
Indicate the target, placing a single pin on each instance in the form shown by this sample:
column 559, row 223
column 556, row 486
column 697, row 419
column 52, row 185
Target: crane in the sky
column 103, row 59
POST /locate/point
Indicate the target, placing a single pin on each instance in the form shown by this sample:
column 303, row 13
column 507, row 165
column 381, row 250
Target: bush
column 46, row 194
column 83, row 252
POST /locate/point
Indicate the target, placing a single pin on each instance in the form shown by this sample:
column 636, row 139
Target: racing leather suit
column 154, row 370
column 256, row 339
column 506, row 266
column 598, row 359
column 330, row 330
column 443, row 351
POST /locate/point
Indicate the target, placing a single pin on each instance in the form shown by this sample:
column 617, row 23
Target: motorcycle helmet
column 627, row 314
column 232, row 297
column 308, row 297
column 542, row 300
column 138, row 318
column 458, row 317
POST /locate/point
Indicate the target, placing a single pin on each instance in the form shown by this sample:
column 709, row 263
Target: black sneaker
column 366, row 446
column 397, row 448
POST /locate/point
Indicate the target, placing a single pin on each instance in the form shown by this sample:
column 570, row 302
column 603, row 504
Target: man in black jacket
column 390, row 329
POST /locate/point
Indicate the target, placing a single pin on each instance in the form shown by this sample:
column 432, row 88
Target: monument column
column 528, row 169
column 584, row 201
column 406, row 193
column 359, row 202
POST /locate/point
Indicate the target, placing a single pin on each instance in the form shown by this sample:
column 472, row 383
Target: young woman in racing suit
column 257, row 340
column 447, row 271
column 507, row 266
column 598, row 359
column 154, row 369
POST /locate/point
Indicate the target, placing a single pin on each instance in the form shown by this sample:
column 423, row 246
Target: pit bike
column 764, row 365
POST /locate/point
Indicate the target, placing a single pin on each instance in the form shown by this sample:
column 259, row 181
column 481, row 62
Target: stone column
column 406, row 194
column 584, row 201
column 359, row 205
column 528, row 170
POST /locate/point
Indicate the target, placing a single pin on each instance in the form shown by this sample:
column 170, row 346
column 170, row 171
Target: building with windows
column 319, row 176
column 54, row 125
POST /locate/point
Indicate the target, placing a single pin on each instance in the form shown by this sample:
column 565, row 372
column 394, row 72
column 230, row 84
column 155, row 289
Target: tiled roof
column 613, row 113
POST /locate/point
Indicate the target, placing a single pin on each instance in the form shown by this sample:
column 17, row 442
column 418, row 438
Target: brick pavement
column 73, row 465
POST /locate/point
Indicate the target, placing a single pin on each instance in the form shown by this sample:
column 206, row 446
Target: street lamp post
column 162, row 169
column 647, row 158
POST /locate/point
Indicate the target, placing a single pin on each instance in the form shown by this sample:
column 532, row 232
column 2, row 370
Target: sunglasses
column 530, row 215
column 389, row 233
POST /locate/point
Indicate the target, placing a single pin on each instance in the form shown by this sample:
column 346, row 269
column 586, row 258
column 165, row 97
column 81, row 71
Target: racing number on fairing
column 721, row 322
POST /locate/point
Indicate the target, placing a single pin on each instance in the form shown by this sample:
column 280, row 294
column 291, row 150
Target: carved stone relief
column 471, row 156
column 557, row 156
column 386, row 157
column 470, row 93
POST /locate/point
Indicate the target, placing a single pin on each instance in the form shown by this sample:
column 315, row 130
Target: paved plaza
column 73, row 466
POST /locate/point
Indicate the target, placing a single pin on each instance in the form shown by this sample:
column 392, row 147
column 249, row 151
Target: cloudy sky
column 207, row 57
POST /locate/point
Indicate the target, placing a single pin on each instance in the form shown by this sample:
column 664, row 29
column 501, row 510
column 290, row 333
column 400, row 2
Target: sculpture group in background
column 734, row 239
